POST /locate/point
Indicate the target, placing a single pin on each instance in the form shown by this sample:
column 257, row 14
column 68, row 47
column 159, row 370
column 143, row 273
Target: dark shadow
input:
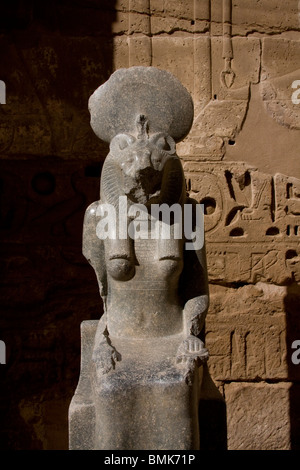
column 292, row 309
column 212, row 416
column 54, row 54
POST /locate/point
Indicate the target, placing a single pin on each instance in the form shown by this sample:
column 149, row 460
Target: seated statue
column 146, row 354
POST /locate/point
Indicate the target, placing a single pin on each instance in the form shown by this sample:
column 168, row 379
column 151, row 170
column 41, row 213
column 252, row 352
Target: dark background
column 53, row 54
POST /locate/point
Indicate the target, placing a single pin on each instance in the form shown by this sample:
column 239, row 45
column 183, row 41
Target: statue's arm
column 93, row 248
column 195, row 297
column 104, row 354
column 194, row 280
column 195, row 291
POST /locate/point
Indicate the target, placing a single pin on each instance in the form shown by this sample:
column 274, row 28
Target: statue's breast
column 170, row 266
column 150, row 259
column 120, row 269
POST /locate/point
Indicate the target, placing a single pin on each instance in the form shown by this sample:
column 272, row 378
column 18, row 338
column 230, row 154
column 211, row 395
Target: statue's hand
column 191, row 348
column 191, row 353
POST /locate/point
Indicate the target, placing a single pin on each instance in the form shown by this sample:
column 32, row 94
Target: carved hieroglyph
column 142, row 367
column 252, row 222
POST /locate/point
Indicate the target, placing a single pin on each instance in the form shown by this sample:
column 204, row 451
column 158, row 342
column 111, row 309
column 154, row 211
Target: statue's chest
column 157, row 258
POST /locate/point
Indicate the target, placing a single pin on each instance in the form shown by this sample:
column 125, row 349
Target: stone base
column 144, row 404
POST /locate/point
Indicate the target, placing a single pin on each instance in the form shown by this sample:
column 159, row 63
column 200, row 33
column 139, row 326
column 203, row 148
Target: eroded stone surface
column 277, row 87
column 141, row 91
column 268, row 431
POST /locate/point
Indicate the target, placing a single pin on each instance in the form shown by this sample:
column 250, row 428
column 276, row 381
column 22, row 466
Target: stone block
column 216, row 17
column 172, row 17
column 160, row 25
column 119, row 5
column 180, row 9
column 139, row 50
column 265, row 16
column 202, row 9
column 247, row 340
column 163, row 49
column 140, row 6
column 139, row 23
column 279, row 80
column 202, row 87
column 121, row 25
column 120, row 52
column 258, row 416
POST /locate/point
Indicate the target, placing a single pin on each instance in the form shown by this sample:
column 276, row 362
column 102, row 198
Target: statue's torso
column 147, row 304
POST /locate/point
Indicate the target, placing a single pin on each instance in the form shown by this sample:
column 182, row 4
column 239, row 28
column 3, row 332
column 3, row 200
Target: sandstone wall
column 240, row 59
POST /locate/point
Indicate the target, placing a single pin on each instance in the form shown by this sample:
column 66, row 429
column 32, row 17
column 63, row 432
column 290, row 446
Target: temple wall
column 240, row 60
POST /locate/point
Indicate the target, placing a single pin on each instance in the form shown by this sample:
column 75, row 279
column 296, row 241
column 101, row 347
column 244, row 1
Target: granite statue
column 141, row 364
